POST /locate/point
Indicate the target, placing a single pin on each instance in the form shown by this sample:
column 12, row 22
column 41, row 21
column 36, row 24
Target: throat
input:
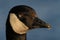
column 19, row 37
column 23, row 37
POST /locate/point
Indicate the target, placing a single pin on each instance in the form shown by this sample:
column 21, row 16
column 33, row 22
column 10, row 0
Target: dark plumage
column 28, row 17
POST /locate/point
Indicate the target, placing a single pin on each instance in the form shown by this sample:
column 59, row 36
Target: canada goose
column 20, row 19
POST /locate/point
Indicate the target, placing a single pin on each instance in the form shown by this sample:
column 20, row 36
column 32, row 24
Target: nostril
column 40, row 22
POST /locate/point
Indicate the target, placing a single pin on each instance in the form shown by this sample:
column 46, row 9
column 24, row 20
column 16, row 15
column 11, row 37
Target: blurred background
column 47, row 10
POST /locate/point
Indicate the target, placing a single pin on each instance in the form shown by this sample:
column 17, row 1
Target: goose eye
column 20, row 16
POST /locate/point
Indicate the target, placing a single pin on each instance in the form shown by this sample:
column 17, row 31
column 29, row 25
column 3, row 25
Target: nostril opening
column 37, row 21
column 40, row 22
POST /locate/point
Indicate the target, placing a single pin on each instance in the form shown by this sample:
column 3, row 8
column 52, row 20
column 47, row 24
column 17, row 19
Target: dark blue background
column 47, row 10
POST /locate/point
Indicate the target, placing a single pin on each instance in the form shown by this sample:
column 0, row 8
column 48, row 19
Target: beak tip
column 49, row 27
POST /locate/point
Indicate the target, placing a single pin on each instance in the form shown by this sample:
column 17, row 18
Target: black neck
column 16, row 37
column 23, row 37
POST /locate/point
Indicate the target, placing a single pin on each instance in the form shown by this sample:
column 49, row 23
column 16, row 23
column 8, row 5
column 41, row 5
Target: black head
column 28, row 16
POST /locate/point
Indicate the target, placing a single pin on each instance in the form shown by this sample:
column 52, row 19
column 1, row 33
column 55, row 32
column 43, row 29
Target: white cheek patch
column 18, row 26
